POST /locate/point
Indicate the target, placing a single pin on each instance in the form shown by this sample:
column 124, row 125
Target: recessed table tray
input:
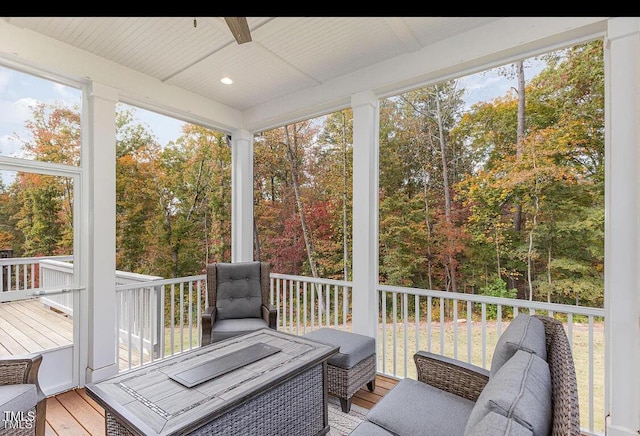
column 224, row 364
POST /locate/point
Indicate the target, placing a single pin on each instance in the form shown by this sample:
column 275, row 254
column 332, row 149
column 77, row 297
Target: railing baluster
column 384, row 331
column 335, row 306
column 469, row 325
column 405, row 333
column 394, row 307
column 327, row 307
column 291, row 306
column 416, row 304
column 484, row 335
column 304, row 305
column 429, row 321
column 455, row 328
column 591, row 373
column 442, row 326
column 298, row 307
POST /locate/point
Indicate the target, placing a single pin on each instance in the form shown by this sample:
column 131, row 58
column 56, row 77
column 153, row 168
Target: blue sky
column 19, row 91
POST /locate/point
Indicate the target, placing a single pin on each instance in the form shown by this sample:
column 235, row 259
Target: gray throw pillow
column 520, row 390
column 525, row 332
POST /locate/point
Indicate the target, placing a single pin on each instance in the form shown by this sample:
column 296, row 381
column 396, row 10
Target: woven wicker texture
column 449, row 377
column 294, row 408
column 24, row 431
column 19, row 370
column 566, row 415
column 344, row 383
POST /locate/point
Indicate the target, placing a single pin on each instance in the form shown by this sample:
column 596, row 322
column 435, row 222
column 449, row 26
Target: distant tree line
column 505, row 197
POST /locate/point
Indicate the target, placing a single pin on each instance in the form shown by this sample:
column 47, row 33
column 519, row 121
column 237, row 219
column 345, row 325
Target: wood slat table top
column 154, row 403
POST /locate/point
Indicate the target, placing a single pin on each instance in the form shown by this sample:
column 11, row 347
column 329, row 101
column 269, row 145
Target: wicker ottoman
column 353, row 366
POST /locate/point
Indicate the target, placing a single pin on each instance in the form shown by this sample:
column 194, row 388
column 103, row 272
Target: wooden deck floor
column 74, row 413
column 28, row 326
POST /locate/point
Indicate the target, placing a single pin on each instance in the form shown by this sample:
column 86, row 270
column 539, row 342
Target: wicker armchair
column 238, row 300
column 23, row 370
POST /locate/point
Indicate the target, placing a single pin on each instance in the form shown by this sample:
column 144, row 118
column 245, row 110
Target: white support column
column 366, row 114
column 622, row 226
column 99, row 162
column 241, row 196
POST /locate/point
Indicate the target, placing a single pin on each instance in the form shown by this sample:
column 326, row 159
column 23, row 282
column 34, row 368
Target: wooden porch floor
column 74, row 413
column 28, row 326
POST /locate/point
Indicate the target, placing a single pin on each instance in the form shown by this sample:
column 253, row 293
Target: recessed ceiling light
column 226, row 80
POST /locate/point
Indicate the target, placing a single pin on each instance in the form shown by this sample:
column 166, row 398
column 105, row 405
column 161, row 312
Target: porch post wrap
column 241, row 196
column 366, row 113
column 622, row 226
column 98, row 307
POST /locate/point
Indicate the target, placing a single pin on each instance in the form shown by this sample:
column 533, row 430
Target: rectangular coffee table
column 282, row 391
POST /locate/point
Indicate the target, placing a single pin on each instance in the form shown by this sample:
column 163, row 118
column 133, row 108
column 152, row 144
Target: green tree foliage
column 452, row 179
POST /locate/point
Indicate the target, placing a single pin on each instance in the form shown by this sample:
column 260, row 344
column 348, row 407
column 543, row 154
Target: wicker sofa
column 22, row 401
column 530, row 389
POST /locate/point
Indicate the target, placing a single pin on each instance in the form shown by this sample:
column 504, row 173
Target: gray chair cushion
column 228, row 328
column 413, row 408
column 495, row 424
column 521, row 390
column 366, row 428
column 525, row 332
column 17, row 398
column 238, row 291
column 354, row 348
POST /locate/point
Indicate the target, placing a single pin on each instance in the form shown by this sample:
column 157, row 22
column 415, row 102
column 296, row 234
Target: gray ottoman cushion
column 354, row 348
column 366, row 428
column 521, row 390
column 239, row 292
column 495, row 424
column 525, row 332
column 413, row 408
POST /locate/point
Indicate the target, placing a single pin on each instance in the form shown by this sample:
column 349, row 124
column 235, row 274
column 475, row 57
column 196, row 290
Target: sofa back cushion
column 525, row 332
column 239, row 294
column 520, row 390
column 495, row 424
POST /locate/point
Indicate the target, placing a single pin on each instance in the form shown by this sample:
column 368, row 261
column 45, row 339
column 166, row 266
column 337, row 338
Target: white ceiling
column 287, row 54
column 320, row 60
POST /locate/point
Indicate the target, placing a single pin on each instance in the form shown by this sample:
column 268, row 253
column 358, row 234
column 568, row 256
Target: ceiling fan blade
column 239, row 28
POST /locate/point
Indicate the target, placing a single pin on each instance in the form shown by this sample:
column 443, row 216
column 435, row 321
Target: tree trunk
column 445, row 186
column 517, row 218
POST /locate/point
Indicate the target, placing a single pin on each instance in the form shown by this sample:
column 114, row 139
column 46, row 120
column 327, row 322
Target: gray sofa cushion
column 17, row 398
column 238, row 291
column 367, row 428
column 413, row 408
column 525, row 332
column 354, row 348
column 495, row 424
column 521, row 390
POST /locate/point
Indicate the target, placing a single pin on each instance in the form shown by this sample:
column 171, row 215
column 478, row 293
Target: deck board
column 75, row 413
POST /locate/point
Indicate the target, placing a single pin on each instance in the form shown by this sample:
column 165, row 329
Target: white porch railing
column 22, row 273
column 157, row 318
